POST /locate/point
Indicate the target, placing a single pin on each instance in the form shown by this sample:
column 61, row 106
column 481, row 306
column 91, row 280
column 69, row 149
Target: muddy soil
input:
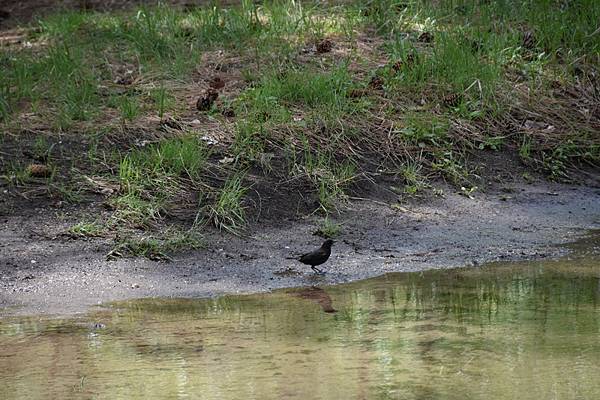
column 44, row 272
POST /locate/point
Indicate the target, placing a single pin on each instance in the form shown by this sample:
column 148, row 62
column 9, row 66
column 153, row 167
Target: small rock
column 98, row 325
column 209, row 140
column 135, row 286
column 226, row 160
column 530, row 124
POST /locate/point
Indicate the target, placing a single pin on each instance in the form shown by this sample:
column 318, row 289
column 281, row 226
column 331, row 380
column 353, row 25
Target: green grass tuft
column 156, row 248
column 328, row 229
column 228, row 211
column 150, row 177
column 87, row 229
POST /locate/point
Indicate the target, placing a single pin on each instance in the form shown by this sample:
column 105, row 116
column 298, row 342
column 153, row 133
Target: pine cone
column 125, row 79
column 205, row 102
column 476, row 46
column 324, row 46
column 376, row 83
column 528, row 41
column 217, row 83
column 425, row 37
column 171, row 123
column 228, row 112
column 4, row 14
column 356, row 93
column 38, row 170
column 403, row 63
column 452, row 99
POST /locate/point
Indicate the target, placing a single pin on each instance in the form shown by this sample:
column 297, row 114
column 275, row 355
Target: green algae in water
column 512, row 331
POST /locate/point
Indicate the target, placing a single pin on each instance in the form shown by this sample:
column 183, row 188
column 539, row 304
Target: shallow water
column 502, row 331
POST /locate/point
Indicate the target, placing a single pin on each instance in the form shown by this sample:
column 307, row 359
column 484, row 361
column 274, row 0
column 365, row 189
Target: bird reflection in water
column 317, row 295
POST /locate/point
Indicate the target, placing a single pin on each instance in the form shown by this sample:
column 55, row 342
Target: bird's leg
column 317, row 270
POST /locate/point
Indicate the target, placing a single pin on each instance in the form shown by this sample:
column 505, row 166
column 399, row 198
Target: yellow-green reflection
column 518, row 331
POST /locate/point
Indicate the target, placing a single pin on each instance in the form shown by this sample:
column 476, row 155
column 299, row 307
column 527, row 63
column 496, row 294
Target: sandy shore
column 42, row 272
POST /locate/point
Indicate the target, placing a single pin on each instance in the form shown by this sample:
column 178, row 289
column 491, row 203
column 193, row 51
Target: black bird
column 318, row 256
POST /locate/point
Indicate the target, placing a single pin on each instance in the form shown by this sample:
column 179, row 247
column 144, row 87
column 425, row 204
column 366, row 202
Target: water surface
column 502, row 331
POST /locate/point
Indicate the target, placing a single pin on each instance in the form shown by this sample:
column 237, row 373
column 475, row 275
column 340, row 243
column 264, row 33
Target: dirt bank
column 43, row 272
